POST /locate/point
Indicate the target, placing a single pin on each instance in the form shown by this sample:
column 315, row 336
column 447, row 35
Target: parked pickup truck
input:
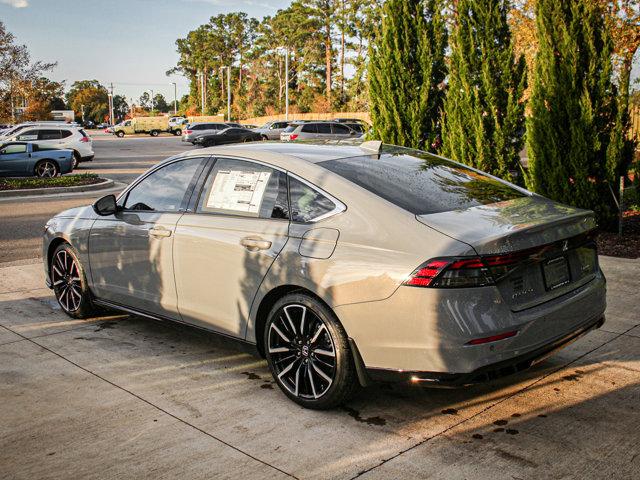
column 26, row 159
column 154, row 126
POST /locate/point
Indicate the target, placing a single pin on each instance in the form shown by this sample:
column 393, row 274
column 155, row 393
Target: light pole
column 228, row 94
column 152, row 102
column 82, row 108
column 286, row 81
column 175, row 98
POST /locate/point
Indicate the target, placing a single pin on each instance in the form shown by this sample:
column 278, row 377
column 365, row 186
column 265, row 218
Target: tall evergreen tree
column 573, row 108
column 406, row 70
column 483, row 121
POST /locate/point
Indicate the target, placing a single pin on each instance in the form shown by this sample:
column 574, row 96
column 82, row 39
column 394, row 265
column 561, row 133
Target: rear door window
column 248, row 189
column 68, row 133
column 422, row 183
column 324, row 128
column 49, row 135
column 310, row 128
column 340, row 129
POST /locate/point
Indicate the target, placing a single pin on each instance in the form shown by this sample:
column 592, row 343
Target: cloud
column 16, row 3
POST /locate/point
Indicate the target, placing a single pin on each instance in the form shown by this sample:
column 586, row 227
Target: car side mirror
column 106, row 206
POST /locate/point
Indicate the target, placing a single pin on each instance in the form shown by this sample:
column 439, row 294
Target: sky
column 128, row 42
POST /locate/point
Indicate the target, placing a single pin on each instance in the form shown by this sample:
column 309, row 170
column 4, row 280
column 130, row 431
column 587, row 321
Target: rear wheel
column 308, row 353
column 154, row 133
column 46, row 169
column 70, row 283
column 76, row 160
column 177, row 132
column 120, row 134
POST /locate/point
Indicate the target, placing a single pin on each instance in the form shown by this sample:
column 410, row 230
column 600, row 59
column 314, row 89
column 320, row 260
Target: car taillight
column 84, row 139
column 293, row 136
column 459, row 272
column 188, row 132
column 493, row 338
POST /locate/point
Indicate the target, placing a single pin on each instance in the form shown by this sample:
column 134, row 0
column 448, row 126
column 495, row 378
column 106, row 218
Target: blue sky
column 129, row 43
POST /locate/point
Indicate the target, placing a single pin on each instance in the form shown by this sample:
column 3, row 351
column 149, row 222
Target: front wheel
column 154, row 133
column 308, row 353
column 46, row 169
column 177, row 132
column 70, row 283
column 120, row 134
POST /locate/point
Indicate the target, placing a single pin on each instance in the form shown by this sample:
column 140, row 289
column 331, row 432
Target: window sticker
column 238, row 190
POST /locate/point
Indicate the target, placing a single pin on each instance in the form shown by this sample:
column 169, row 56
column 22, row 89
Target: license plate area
column 556, row 273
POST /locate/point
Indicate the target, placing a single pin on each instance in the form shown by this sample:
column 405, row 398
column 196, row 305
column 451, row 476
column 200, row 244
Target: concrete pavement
column 126, row 397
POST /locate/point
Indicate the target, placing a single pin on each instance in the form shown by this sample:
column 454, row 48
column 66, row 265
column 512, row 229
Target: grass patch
column 63, row 181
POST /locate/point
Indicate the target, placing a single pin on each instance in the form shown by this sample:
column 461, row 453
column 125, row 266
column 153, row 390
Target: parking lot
column 127, row 397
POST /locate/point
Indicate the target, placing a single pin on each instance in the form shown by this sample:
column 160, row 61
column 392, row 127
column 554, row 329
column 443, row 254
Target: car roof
column 285, row 154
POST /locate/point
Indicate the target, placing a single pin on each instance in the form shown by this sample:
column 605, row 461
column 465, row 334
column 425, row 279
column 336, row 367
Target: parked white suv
column 72, row 138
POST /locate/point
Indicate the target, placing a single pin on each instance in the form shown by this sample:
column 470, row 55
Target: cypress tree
column 406, row 71
column 483, row 124
column 573, row 108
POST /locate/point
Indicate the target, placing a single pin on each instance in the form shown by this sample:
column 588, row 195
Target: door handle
column 159, row 232
column 253, row 244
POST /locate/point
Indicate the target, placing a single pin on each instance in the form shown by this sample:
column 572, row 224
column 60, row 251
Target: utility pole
column 152, row 102
column 175, row 98
column 111, row 117
column 82, row 108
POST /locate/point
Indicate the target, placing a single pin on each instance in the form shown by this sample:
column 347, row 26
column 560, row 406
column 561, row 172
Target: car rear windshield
column 422, row 183
column 291, row 128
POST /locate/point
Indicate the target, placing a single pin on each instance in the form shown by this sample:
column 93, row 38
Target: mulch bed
column 626, row 246
column 63, row 181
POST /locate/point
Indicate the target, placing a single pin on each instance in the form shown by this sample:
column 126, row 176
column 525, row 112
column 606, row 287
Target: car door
column 131, row 252
column 231, row 135
column 224, row 247
column 14, row 160
column 50, row 137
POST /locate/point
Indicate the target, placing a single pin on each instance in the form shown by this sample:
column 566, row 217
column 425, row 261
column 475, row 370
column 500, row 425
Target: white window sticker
column 238, row 190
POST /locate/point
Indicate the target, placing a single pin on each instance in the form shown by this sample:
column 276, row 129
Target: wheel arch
column 267, row 303
column 55, row 243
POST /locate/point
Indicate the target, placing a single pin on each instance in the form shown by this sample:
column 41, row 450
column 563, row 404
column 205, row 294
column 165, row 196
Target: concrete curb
column 107, row 183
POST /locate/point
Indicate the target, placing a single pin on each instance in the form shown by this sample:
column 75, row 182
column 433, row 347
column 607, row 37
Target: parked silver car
column 272, row 130
column 192, row 130
column 341, row 264
column 317, row 131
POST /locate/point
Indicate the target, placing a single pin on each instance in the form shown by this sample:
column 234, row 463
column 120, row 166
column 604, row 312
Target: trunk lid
column 561, row 253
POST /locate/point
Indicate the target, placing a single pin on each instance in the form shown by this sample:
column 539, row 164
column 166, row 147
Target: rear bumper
column 487, row 373
column 429, row 330
column 87, row 158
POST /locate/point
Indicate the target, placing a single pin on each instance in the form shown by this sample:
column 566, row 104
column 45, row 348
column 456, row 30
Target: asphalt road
column 122, row 160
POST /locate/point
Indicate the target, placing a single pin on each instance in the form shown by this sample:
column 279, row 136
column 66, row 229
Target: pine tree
column 406, row 71
column 573, row 108
column 483, row 121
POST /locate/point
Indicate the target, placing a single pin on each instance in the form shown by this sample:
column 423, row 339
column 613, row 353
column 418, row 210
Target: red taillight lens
column 425, row 274
column 293, row 136
column 188, row 132
column 460, row 272
column 493, row 338
column 84, row 139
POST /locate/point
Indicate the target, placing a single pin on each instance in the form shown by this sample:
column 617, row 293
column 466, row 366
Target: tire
column 308, row 353
column 154, row 133
column 120, row 134
column 70, row 283
column 264, row 138
column 177, row 132
column 46, row 169
column 76, row 160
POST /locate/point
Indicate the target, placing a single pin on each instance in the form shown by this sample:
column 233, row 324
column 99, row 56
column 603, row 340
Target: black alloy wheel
column 69, row 283
column 308, row 353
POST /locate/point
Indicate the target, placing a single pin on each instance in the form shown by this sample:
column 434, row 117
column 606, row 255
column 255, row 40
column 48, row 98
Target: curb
column 107, row 183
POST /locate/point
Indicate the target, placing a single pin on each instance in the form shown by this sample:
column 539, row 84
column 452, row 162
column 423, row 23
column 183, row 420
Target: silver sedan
column 340, row 264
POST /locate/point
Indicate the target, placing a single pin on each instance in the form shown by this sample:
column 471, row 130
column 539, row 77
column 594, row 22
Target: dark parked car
column 24, row 159
column 228, row 135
